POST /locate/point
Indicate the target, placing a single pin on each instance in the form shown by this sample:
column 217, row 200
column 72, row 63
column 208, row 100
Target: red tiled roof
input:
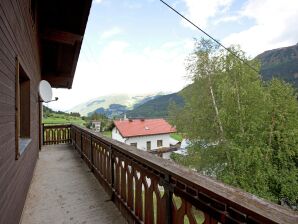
column 141, row 127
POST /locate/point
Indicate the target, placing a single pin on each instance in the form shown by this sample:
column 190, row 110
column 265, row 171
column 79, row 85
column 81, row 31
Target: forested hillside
column 281, row 63
column 157, row 107
column 243, row 131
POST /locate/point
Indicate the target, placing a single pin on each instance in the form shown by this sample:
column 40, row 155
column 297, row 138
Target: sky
column 141, row 47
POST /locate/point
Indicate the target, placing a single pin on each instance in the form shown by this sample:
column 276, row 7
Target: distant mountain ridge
column 281, row 63
column 113, row 105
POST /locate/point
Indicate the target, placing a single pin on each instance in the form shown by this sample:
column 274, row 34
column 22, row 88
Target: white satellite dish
column 45, row 91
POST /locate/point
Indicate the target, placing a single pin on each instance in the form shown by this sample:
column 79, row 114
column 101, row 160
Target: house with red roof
column 144, row 134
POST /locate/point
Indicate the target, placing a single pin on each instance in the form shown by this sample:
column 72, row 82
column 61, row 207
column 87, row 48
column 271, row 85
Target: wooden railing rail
column 149, row 189
column 55, row 134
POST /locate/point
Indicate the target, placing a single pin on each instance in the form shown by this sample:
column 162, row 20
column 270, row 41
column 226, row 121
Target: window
column 149, row 145
column 22, row 110
column 134, row 144
column 159, row 143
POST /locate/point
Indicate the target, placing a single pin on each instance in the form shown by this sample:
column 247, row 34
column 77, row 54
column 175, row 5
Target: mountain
column 157, row 107
column 110, row 104
column 281, row 63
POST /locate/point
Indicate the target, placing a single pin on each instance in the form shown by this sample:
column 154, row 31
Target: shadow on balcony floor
column 63, row 190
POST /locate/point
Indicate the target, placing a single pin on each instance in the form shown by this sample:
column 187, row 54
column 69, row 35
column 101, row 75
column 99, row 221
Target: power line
column 208, row 35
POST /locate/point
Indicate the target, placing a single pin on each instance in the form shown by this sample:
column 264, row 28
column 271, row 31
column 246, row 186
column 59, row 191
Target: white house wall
column 116, row 135
column 142, row 141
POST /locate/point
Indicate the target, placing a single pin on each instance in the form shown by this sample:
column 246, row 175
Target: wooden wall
column 18, row 37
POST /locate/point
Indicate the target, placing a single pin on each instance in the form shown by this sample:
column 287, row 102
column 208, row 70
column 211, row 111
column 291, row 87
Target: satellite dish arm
column 56, row 99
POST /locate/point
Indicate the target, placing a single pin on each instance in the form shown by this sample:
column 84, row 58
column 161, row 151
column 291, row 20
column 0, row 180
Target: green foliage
column 106, row 123
column 244, row 132
column 176, row 136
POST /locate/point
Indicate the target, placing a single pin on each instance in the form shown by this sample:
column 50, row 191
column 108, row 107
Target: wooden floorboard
column 63, row 190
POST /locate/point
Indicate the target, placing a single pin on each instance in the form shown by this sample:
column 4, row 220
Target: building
column 95, row 126
column 39, row 40
column 144, row 134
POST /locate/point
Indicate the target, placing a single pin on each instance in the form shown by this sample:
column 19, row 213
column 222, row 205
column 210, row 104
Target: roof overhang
column 61, row 27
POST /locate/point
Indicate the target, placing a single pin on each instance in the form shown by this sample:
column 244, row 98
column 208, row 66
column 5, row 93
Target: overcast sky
column 140, row 46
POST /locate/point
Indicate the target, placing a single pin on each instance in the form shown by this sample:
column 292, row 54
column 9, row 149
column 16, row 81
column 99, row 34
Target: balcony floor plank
column 63, row 190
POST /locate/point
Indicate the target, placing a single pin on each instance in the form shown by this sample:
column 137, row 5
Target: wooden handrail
column 149, row 189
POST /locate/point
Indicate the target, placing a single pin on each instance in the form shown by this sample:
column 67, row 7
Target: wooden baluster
column 161, row 203
column 169, row 199
column 149, row 211
column 138, row 196
column 130, row 187
column 81, row 144
column 58, row 135
column 117, row 177
column 42, row 134
column 104, row 163
column 112, row 165
column 209, row 219
column 64, row 135
column 48, row 136
column 109, row 167
column 123, row 180
column 92, row 154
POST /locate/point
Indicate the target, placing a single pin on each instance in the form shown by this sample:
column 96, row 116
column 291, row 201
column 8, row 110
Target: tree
column 243, row 132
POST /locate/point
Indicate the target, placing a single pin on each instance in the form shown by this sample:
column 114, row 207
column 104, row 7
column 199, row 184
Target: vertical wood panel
column 17, row 38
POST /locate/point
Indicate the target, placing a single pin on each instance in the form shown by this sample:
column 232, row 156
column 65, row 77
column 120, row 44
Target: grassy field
column 107, row 134
column 177, row 136
column 62, row 119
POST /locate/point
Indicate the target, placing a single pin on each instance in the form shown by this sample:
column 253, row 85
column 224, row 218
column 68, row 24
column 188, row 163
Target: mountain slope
column 157, row 107
column 281, row 63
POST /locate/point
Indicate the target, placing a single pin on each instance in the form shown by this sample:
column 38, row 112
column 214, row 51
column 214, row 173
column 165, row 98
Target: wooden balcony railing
column 149, row 189
column 55, row 134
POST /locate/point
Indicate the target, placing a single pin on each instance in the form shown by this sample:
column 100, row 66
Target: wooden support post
column 169, row 199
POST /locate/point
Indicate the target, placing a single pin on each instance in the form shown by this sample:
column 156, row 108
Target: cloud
column 121, row 68
column 200, row 11
column 276, row 25
column 111, row 32
column 98, row 1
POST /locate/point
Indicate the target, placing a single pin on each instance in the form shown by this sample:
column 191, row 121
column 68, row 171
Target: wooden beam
column 60, row 81
column 61, row 37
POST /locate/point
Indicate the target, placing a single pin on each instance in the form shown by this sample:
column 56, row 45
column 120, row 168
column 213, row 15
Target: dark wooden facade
column 41, row 42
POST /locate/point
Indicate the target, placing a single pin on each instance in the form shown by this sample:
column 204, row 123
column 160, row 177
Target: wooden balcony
column 144, row 187
column 63, row 190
